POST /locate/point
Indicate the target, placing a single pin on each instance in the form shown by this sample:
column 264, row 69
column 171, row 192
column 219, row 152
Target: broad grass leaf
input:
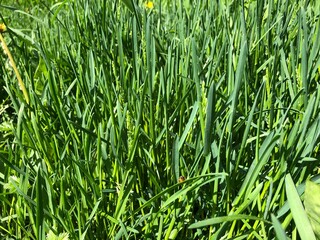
column 312, row 205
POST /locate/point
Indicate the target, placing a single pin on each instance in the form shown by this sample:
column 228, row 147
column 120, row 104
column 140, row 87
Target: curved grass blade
column 218, row 220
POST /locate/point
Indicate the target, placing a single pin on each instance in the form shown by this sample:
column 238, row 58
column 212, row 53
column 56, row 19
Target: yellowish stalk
column 13, row 64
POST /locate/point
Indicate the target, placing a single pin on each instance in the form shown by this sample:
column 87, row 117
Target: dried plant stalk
column 12, row 63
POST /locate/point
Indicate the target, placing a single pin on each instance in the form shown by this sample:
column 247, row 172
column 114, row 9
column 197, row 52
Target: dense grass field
column 118, row 99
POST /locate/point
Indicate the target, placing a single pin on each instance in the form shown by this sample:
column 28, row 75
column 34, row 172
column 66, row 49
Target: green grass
column 124, row 100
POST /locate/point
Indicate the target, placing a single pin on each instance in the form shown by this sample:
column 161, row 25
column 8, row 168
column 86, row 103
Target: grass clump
column 125, row 98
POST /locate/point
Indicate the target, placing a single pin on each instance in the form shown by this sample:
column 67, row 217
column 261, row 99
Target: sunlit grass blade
column 218, row 220
column 297, row 210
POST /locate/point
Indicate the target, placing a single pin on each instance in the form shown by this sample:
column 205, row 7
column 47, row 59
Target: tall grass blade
column 298, row 212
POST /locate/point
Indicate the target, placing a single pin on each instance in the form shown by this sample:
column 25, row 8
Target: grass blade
column 298, row 213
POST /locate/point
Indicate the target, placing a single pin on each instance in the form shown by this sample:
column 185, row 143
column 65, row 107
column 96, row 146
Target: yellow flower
column 3, row 27
column 149, row 5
